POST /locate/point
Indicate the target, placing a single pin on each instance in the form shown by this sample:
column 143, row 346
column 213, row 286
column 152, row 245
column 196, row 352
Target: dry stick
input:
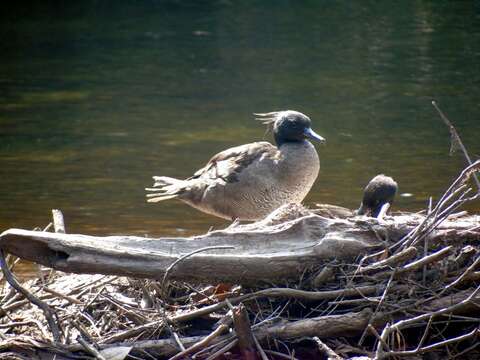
column 439, row 214
column 425, row 333
column 352, row 302
column 456, row 137
column 81, row 329
column 259, row 348
column 246, row 342
column 205, row 341
column 138, row 319
column 326, row 350
column 280, row 355
column 382, row 342
column 4, row 310
column 178, row 341
column 407, row 322
column 329, row 326
column 223, row 350
column 58, row 222
column 452, row 190
column 469, row 270
column 465, row 351
column 436, row 256
column 417, row 264
column 316, row 295
column 444, row 215
column 393, row 260
column 274, row 293
column 183, row 257
column 47, row 311
column 389, row 283
column 90, row 349
column 325, row 275
column 473, row 333
column 377, row 335
column 126, row 334
column 11, row 325
column 425, row 252
column 65, row 297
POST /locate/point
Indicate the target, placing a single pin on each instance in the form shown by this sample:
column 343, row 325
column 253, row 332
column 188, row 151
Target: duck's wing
column 228, row 164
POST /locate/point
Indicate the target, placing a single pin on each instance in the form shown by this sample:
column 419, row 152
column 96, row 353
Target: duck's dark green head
column 290, row 126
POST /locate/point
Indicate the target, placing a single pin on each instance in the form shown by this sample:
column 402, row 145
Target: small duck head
column 290, row 126
column 379, row 191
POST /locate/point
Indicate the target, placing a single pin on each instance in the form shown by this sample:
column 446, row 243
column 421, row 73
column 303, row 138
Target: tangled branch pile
column 415, row 291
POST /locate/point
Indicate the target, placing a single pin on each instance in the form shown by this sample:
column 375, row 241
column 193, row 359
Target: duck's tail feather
column 165, row 188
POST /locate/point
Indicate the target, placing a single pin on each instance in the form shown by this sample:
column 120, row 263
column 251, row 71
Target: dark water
column 98, row 96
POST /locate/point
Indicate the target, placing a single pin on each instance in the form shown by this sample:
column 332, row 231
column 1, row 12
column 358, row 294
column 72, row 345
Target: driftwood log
column 278, row 248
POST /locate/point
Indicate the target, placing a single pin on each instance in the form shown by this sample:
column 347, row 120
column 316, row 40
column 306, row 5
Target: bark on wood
column 279, row 247
column 246, row 342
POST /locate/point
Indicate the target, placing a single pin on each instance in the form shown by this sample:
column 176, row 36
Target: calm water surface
column 98, row 96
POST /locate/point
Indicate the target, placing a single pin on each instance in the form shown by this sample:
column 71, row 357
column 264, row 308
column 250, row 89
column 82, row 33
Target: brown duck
column 249, row 181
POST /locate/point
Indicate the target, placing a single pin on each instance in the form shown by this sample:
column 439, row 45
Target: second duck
column 249, row 181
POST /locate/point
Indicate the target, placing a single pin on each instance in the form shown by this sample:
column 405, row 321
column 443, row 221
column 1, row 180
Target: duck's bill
column 309, row 133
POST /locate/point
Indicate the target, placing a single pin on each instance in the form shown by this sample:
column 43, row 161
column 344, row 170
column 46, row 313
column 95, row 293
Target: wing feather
column 229, row 163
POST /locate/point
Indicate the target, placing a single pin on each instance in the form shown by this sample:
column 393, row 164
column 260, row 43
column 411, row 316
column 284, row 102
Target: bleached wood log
column 279, row 247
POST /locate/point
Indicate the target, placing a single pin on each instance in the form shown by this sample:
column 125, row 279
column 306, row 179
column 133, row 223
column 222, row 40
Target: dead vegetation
column 402, row 286
column 416, row 293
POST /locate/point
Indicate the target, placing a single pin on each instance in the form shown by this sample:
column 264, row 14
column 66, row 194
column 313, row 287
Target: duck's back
column 250, row 181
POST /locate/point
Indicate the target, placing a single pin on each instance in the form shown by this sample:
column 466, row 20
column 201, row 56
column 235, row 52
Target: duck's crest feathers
column 267, row 118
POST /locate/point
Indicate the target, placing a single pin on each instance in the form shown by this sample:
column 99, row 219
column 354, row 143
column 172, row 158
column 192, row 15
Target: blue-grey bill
column 313, row 135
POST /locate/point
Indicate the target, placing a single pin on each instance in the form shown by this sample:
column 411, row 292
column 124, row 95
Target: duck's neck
column 279, row 142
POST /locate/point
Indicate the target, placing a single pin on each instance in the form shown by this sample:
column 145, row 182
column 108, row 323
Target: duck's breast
column 298, row 169
column 272, row 181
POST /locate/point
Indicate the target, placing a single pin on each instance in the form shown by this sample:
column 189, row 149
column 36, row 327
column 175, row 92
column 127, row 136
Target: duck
column 379, row 192
column 248, row 182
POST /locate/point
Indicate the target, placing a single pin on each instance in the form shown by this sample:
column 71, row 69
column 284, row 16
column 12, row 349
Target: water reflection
column 99, row 96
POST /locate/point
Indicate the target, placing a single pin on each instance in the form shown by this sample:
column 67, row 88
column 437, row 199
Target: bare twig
column 393, row 260
column 436, row 256
column 422, row 350
column 260, row 350
column 47, row 311
column 90, row 349
column 129, row 333
column 326, row 350
column 246, row 342
column 278, row 293
column 281, row 355
column 205, row 341
column 456, row 140
column 183, row 257
column 223, row 350
column 382, row 299
column 380, row 354
column 62, row 296
column 465, row 274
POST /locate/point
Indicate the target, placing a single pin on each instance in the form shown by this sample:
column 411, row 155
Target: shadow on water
column 96, row 97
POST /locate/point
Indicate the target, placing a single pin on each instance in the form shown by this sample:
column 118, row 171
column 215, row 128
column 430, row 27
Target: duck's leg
column 235, row 223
